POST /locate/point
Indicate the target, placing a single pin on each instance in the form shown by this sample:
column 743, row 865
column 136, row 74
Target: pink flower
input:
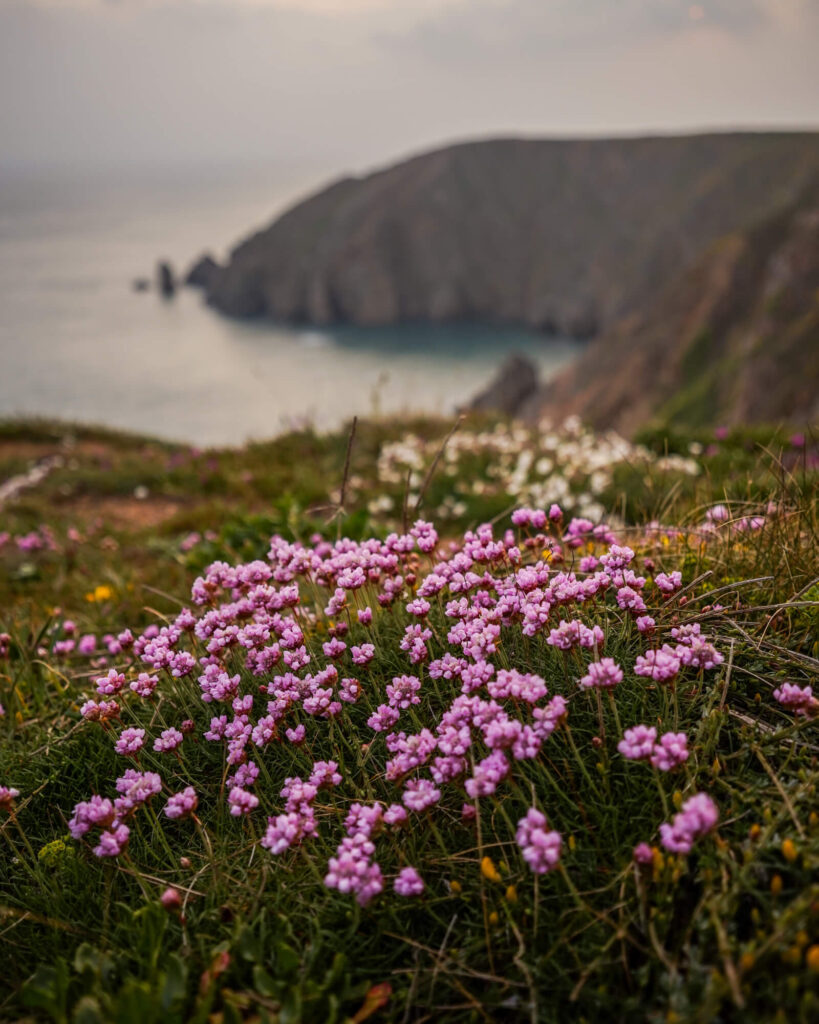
column 112, row 683
column 420, row 794
column 403, row 692
column 668, row 583
column 789, row 695
column 170, row 739
column 697, row 817
column 602, row 674
column 296, row 736
column 362, row 654
column 349, row 690
column 113, row 842
column 638, row 742
column 130, row 742
column 241, row 802
column 384, row 718
column 181, row 805
column 408, row 883
column 170, row 899
column 671, row 750
column 144, row 685
column 540, row 847
column 660, row 665
column 643, row 853
column 7, row 797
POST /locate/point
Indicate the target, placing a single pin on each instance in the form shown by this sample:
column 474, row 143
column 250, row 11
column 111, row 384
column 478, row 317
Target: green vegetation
column 114, row 536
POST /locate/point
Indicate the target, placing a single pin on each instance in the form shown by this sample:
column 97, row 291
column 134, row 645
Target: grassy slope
column 719, row 935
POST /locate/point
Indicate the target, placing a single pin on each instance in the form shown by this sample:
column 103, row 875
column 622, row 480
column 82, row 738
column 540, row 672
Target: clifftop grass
column 727, row 931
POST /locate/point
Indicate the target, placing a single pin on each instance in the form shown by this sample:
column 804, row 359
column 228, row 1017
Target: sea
column 78, row 342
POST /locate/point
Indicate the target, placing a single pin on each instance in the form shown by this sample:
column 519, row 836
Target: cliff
column 733, row 339
column 564, row 236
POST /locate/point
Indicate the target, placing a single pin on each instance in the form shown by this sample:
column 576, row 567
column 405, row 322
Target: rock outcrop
column 202, row 272
column 165, row 279
column 734, row 339
column 515, row 383
column 562, row 236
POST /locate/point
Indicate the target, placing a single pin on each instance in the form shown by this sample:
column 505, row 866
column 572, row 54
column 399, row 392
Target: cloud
column 345, row 85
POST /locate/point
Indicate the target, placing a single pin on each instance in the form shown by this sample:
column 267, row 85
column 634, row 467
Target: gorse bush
column 545, row 771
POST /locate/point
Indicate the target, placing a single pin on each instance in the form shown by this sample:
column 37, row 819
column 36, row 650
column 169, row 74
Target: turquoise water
column 77, row 341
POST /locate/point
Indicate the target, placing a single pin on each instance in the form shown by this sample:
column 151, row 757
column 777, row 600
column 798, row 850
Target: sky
column 342, row 84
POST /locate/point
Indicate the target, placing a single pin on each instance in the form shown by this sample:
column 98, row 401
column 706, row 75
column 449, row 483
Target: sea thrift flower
column 135, row 788
column 112, row 683
column 170, row 739
column 645, row 624
column 643, row 854
column 395, row 814
column 181, row 805
column 170, row 899
column 7, row 797
column 638, row 742
column 349, row 690
column 113, row 842
column 98, row 812
column 351, row 870
column 245, row 775
column 362, row 654
column 130, row 742
column 698, row 816
column 540, row 847
column 144, row 685
column 403, row 692
column 419, row 607
column 241, row 802
column 287, row 830
column 487, row 775
column 660, row 665
column 384, row 718
column 671, row 750
column 668, row 583
column 296, row 736
column 420, row 794
column 409, row 883
column 602, row 674
column 789, row 695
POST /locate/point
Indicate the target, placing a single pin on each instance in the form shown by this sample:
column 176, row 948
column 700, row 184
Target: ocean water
column 77, row 342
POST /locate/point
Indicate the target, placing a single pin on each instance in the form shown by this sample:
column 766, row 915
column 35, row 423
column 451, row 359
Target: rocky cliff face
column 566, row 236
column 734, row 339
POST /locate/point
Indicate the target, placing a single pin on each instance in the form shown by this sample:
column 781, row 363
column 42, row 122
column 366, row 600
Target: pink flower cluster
column 640, row 743
column 698, row 816
column 256, row 653
column 540, row 847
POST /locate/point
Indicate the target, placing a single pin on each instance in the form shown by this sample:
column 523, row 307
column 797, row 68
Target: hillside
column 734, row 339
column 564, row 236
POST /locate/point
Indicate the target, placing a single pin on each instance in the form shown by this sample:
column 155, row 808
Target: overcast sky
column 345, row 83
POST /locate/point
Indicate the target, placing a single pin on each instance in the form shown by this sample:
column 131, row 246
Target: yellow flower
column 488, row 870
column 512, row 894
column 101, row 593
column 789, row 851
column 493, row 917
column 776, row 885
column 676, row 799
column 812, row 959
column 746, row 961
column 455, row 886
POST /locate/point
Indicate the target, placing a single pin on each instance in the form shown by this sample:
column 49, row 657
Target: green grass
column 722, row 934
